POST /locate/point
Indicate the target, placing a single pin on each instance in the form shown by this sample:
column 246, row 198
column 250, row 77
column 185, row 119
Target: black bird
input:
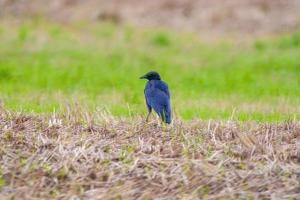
column 157, row 96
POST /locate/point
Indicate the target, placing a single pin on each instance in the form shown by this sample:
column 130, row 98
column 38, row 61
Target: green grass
column 46, row 66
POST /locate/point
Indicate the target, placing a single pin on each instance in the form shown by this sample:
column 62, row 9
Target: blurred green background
column 45, row 66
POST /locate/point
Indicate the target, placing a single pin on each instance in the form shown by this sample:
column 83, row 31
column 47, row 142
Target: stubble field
column 80, row 155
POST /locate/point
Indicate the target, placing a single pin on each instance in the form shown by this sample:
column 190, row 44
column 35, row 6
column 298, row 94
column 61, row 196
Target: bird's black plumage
column 157, row 96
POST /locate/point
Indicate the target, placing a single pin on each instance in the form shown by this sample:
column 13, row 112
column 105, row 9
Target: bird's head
column 151, row 76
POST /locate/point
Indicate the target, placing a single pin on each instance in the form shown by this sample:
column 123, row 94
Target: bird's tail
column 166, row 116
column 168, row 119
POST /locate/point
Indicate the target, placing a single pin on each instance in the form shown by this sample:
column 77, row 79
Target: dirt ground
column 215, row 17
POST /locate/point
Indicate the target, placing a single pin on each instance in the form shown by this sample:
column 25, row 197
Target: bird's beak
column 143, row 77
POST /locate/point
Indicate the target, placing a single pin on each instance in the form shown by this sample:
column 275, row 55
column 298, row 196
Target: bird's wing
column 154, row 95
column 161, row 104
column 163, row 87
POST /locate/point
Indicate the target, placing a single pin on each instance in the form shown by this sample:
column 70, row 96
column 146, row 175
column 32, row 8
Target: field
column 79, row 155
column 72, row 110
column 45, row 67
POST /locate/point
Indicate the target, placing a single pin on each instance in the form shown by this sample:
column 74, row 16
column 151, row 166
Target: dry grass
column 210, row 18
column 81, row 155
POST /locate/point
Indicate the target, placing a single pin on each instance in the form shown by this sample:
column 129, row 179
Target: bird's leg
column 148, row 115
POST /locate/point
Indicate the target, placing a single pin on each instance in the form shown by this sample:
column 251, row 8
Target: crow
column 157, row 96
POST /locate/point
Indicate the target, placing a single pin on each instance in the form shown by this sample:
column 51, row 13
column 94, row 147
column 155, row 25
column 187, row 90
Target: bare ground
column 83, row 155
column 215, row 17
